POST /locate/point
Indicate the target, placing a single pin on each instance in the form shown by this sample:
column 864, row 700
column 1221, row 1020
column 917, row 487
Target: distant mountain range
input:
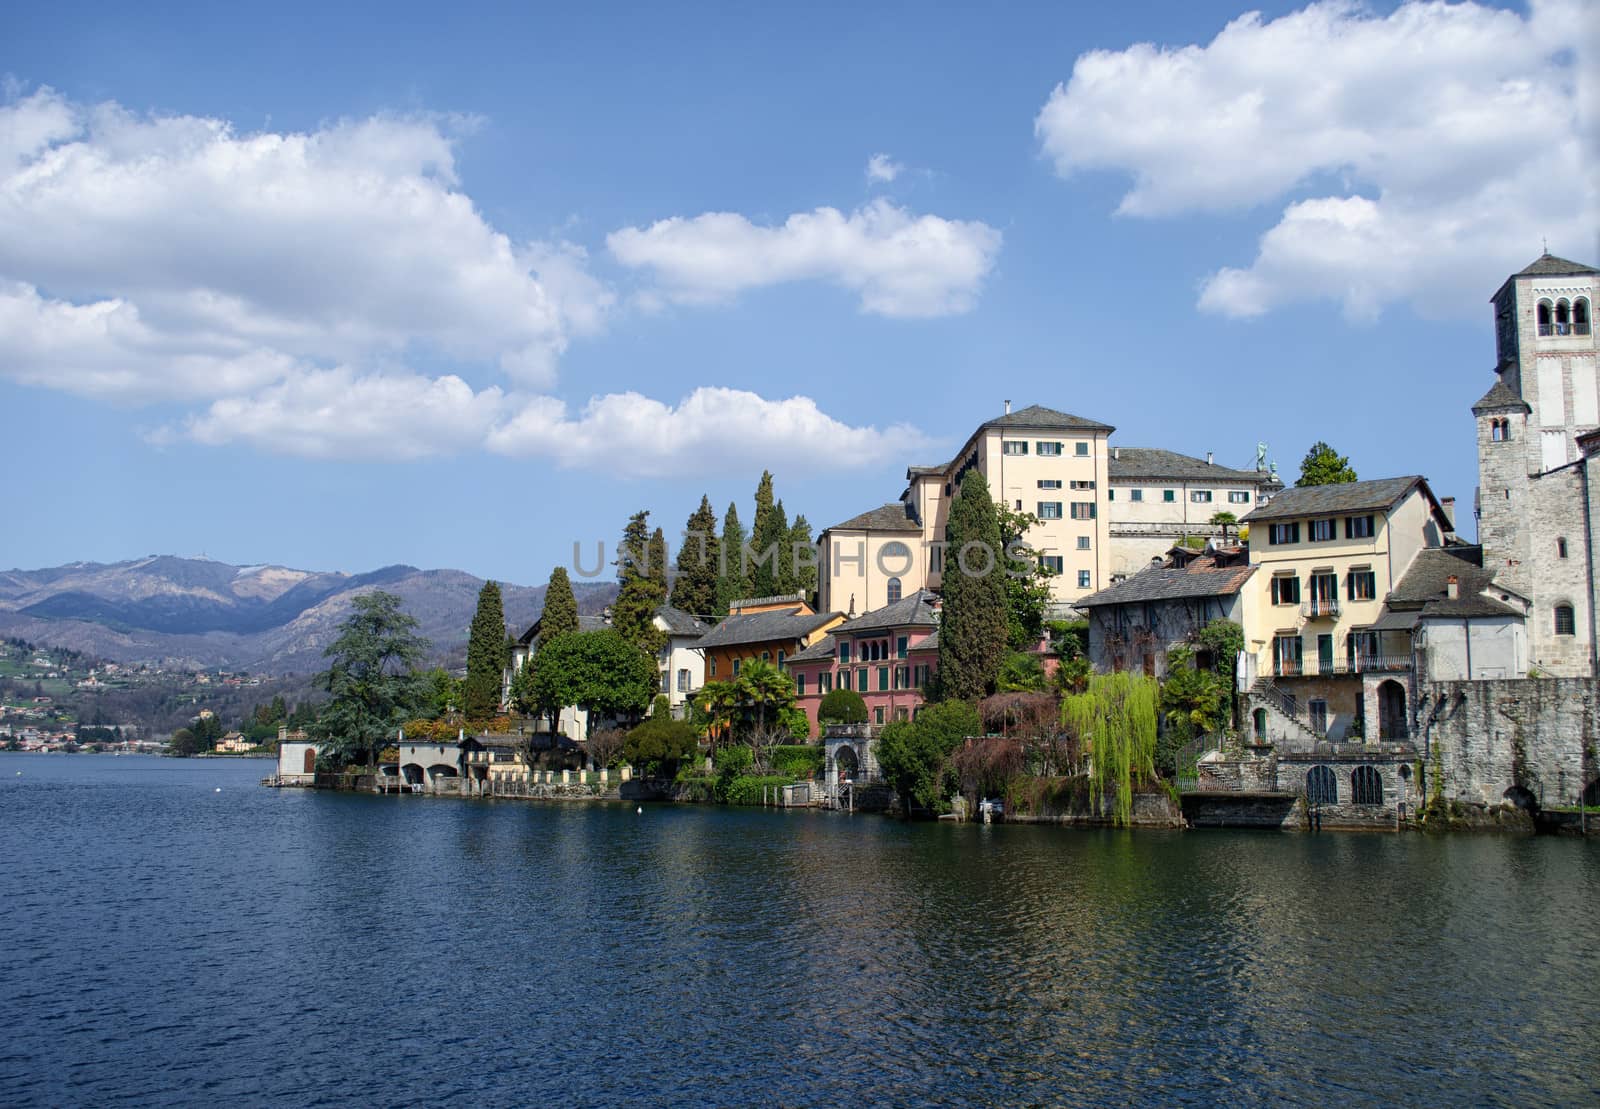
column 201, row 614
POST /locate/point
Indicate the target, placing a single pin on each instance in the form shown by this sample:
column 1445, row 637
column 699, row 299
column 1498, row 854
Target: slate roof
column 1330, row 500
column 912, row 611
column 1151, row 462
column 819, row 651
column 1423, row 585
column 680, row 622
column 888, row 517
column 1160, row 584
column 1499, row 396
column 1548, row 265
column 927, row 643
column 585, row 624
column 763, row 627
column 1036, row 415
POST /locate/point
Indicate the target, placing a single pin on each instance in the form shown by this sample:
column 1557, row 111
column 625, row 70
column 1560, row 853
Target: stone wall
column 1483, row 739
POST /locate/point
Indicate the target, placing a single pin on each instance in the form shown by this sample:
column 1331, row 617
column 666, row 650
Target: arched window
column 1497, row 431
column 1563, row 317
column 1565, row 624
column 1543, row 313
column 894, row 590
column 1322, row 788
column 1366, row 786
column 1580, row 316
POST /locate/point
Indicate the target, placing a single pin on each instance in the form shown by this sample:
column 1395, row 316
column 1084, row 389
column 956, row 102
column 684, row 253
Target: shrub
column 746, row 789
column 659, row 744
column 842, row 706
column 798, row 761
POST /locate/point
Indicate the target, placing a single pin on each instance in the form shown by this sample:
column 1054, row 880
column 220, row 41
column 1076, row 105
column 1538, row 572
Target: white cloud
column 346, row 243
column 899, row 263
column 709, row 430
column 1437, row 144
column 337, row 414
column 882, row 168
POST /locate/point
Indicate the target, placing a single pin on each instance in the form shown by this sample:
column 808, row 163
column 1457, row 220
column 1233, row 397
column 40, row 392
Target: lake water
column 163, row 942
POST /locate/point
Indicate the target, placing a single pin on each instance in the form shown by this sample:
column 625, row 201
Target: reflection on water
column 161, row 941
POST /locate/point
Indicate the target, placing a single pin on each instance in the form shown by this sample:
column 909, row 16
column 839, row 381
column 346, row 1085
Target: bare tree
column 605, row 746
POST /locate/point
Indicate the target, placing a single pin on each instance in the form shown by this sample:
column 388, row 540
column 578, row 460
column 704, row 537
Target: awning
column 1391, row 621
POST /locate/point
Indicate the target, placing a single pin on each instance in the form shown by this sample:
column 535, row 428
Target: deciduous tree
column 1323, row 465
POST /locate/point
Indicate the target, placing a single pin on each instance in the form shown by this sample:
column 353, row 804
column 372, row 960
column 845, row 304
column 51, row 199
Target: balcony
column 1370, row 664
column 1319, row 608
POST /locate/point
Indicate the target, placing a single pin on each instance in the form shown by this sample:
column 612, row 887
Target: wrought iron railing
column 1320, row 606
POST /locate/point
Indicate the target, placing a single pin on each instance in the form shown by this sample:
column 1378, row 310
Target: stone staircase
column 1287, row 728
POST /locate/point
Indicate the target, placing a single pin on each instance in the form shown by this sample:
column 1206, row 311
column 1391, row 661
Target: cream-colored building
column 1327, row 558
column 1035, row 460
column 1157, row 498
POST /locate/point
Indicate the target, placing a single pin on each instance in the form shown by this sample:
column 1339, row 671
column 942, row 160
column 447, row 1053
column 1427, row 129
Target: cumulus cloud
column 899, row 264
column 344, row 243
column 1422, row 154
column 709, row 430
column 882, row 168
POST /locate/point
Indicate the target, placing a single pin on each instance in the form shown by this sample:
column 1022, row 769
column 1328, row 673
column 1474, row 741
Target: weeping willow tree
column 1115, row 721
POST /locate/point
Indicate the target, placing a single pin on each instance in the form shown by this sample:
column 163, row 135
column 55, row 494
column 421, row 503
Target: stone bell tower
column 1534, row 518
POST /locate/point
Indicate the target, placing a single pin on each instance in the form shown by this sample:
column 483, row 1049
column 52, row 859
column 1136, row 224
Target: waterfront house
column 1327, row 558
column 881, row 655
column 1463, row 625
column 1158, row 498
column 1136, row 622
column 681, row 662
column 297, row 757
column 771, row 629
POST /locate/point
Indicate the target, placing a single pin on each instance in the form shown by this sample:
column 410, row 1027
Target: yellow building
column 1036, row 460
column 1327, row 559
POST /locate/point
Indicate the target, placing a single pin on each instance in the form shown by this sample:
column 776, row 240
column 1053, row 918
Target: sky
column 341, row 286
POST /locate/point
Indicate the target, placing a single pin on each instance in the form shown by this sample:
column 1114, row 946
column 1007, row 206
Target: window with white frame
column 1200, row 496
column 1049, row 483
column 1081, row 450
column 1322, row 531
column 1083, row 510
column 1083, row 542
column 1358, row 527
column 1015, row 447
column 1238, row 497
column 1136, row 494
column 1279, row 534
column 1083, row 485
column 1083, row 579
column 1048, row 450
column 1051, row 563
column 1049, row 510
column 683, row 680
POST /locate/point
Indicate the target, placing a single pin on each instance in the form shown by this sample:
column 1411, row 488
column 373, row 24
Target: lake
column 163, row 942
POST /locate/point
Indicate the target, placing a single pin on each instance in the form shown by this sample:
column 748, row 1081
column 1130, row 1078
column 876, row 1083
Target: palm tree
column 1224, row 520
column 763, row 686
column 719, row 702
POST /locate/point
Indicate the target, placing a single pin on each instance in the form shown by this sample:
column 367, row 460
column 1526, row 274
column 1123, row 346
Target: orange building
column 772, row 629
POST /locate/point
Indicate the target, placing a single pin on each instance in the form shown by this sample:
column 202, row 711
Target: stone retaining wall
column 1488, row 739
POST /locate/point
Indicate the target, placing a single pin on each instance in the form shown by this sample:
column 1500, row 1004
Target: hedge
column 746, row 790
column 798, row 760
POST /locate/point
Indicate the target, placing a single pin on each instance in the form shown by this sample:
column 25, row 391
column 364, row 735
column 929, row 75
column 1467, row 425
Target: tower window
column 1499, row 430
column 1563, row 317
column 1561, row 546
column 1580, row 316
column 1565, row 624
column 1543, row 314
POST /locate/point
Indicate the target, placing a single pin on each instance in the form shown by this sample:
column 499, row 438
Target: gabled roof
column 1330, row 500
column 1036, row 415
column 1548, row 265
column 928, row 642
column 1149, row 462
column 679, row 622
column 585, row 624
column 819, row 651
column 908, row 612
column 1159, row 584
column 764, row 627
column 1423, row 589
column 888, row 517
column 1499, row 397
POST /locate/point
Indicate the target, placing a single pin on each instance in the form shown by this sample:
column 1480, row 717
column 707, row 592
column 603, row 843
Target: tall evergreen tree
column 803, row 570
column 973, row 628
column 733, row 577
column 560, row 613
column 695, row 588
column 767, row 534
column 642, row 591
column 486, row 655
column 656, row 561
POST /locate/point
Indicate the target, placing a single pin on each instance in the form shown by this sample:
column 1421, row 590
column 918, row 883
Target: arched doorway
column 311, row 760
column 846, row 763
column 1260, row 719
column 1522, row 798
column 1391, row 710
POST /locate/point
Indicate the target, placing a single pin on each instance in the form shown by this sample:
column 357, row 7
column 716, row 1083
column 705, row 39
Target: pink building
column 887, row 656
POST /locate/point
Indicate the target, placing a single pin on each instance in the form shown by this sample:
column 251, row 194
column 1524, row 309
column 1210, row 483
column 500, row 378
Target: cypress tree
column 733, row 581
column 973, row 628
column 695, row 588
column 560, row 613
column 486, row 655
column 767, row 535
column 802, row 574
column 643, row 590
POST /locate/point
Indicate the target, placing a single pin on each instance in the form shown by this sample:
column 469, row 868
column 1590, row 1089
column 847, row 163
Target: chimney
column 1008, row 407
column 1116, row 453
column 1449, row 506
column 1210, row 458
column 1452, row 588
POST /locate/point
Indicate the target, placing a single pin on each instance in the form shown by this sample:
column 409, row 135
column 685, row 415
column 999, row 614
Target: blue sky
column 341, row 286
